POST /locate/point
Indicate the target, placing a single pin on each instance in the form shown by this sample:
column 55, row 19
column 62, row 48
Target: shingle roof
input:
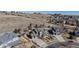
column 6, row 37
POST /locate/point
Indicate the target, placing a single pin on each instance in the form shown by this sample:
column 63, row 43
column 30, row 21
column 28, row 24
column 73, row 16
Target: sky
column 56, row 12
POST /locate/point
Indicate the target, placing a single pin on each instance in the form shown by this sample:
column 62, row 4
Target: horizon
column 55, row 12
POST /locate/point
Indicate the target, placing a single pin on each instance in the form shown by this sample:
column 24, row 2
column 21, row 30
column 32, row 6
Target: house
column 55, row 30
column 9, row 40
column 71, row 22
column 77, row 31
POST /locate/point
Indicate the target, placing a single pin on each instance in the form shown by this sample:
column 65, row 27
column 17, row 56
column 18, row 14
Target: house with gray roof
column 9, row 40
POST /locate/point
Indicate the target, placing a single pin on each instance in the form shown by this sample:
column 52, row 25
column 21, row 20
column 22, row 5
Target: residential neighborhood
column 37, row 30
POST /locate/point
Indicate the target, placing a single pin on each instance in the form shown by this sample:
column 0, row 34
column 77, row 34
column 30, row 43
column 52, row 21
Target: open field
column 10, row 22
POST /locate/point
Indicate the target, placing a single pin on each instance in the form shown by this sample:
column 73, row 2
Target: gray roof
column 6, row 37
column 65, row 44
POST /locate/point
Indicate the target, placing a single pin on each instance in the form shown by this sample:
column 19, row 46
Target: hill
column 10, row 22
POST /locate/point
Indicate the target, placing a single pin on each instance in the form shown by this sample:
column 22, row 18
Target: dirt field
column 10, row 22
